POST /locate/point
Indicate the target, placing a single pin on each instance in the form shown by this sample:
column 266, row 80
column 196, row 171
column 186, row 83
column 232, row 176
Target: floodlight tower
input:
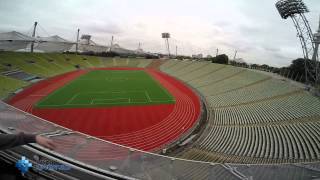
column 33, row 35
column 111, row 44
column 296, row 10
column 77, row 42
column 166, row 37
column 317, row 42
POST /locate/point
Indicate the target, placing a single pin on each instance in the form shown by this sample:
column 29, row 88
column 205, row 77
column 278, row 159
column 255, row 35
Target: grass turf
column 108, row 88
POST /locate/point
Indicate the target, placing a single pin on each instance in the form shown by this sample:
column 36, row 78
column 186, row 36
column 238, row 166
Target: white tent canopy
column 52, row 44
column 54, row 38
column 15, row 36
column 118, row 49
column 12, row 41
column 15, row 41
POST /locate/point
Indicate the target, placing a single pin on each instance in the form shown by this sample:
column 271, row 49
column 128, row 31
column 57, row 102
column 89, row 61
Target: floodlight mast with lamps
column 317, row 42
column 166, row 37
column 296, row 10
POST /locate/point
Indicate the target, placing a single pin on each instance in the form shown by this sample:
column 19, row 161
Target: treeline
column 295, row 71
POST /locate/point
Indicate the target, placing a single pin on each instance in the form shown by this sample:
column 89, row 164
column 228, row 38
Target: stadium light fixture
column 166, row 37
column 295, row 9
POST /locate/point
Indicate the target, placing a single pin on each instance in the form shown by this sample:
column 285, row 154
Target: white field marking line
column 72, row 98
column 163, row 101
column 138, row 102
column 148, row 97
column 121, row 102
column 101, row 92
column 60, row 89
column 68, row 105
column 115, row 92
column 125, row 71
column 93, row 100
column 52, row 105
column 116, row 79
column 164, row 90
column 110, row 102
column 159, row 85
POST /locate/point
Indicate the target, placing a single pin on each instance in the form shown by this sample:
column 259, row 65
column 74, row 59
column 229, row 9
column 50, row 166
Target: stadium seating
column 252, row 118
column 9, row 85
column 144, row 63
column 255, row 92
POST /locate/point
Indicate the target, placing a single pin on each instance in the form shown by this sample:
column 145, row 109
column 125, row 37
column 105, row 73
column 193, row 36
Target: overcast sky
column 253, row 27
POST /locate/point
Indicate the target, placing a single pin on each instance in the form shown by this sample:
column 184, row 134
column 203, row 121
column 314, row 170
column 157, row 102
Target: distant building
column 197, row 56
column 239, row 60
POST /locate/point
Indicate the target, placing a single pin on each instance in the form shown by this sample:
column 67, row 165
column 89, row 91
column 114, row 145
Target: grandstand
column 256, row 126
column 253, row 118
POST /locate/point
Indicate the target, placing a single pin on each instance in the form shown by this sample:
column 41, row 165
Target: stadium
column 116, row 113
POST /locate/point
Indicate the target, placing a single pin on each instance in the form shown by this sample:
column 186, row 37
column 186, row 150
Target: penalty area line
column 148, row 97
column 72, row 98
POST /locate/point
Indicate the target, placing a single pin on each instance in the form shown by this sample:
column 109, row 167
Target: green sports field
column 108, row 88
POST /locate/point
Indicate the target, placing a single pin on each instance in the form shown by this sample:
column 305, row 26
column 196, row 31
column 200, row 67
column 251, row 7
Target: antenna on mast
column 235, row 55
column 176, row 51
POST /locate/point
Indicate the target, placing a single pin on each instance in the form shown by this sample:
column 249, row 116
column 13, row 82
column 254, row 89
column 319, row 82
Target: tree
column 265, row 67
column 221, row 59
column 298, row 66
column 295, row 70
column 254, row 66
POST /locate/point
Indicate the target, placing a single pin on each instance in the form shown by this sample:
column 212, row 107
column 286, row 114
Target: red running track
column 143, row 127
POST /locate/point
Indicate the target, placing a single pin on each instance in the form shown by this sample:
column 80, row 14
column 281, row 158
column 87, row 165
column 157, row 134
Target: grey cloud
column 251, row 26
column 271, row 49
column 102, row 28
